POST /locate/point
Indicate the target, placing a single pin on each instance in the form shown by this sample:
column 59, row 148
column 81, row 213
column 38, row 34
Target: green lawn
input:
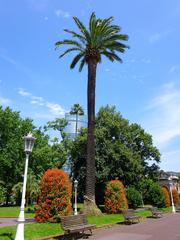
column 14, row 211
column 36, row 230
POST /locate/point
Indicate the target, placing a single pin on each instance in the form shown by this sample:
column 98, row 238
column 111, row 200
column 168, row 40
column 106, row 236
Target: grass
column 14, row 211
column 37, row 230
column 32, row 231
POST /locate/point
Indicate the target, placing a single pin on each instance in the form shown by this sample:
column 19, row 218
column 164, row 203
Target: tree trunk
column 76, row 123
column 90, row 207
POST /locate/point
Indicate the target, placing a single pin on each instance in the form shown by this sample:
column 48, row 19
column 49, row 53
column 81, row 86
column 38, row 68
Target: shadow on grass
column 73, row 237
column 8, row 235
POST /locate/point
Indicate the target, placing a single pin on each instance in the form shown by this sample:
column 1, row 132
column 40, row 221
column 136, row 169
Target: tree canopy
column 12, row 157
column 123, row 150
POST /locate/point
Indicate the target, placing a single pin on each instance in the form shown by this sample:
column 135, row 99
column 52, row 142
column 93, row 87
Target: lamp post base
column 173, row 209
column 20, row 231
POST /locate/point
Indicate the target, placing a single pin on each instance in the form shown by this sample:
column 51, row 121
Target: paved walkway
column 165, row 228
column 4, row 222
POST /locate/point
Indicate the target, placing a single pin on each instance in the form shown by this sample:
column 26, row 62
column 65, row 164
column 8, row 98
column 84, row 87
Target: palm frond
column 74, row 34
column 68, row 42
column 111, row 56
column 82, row 64
column 70, row 50
column 115, row 46
column 115, row 37
column 82, row 29
column 76, row 59
column 105, row 23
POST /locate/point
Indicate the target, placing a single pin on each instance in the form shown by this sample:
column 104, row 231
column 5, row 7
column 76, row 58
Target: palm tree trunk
column 90, row 164
column 90, row 207
column 76, row 123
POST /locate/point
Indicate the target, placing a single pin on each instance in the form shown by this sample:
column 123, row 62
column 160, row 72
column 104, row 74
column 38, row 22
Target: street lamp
column 28, row 146
column 75, row 197
column 172, row 201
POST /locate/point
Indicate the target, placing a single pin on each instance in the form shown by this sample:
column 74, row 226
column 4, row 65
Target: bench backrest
column 73, row 220
column 128, row 212
column 153, row 209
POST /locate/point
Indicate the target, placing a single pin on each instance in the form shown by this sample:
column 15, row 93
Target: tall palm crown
column 102, row 38
column 77, row 109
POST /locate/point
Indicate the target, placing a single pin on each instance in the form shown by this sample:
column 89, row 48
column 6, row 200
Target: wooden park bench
column 129, row 216
column 155, row 212
column 177, row 207
column 72, row 224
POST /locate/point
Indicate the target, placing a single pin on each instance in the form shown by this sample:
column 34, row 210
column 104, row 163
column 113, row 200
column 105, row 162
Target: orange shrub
column 166, row 193
column 175, row 196
column 115, row 197
column 55, row 196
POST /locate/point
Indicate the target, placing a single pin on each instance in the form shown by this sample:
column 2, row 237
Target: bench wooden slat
column 76, row 224
column 155, row 212
column 130, row 216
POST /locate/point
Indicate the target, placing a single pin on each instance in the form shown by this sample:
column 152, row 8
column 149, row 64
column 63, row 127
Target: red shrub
column 55, row 196
column 115, row 197
column 166, row 193
column 175, row 196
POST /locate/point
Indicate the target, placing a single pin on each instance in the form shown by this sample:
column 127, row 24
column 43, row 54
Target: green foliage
column 44, row 155
column 77, row 109
column 32, row 189
column 115, row 198
column 152, row 193
column 133, row 197
column 123, row 151
column 59, row 124
column 2, row 194
column 55, row 196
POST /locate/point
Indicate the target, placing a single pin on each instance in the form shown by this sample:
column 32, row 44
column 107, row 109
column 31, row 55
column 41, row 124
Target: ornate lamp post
column 28, row 146
column 172, row 201
column 75, row 197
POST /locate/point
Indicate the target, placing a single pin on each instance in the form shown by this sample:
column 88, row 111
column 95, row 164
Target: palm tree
column 102, row 38
column 77, row 110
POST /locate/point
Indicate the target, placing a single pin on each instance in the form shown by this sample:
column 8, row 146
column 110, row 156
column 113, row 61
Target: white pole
column 75, row 197
column 21, row 219
column 172, row 201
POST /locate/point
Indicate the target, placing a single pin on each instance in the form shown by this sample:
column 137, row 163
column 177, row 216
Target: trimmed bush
column 115, row 197
column 55, row 196
column 152, row 193
column 166, row 194
column 175, row 196
column 134, row 197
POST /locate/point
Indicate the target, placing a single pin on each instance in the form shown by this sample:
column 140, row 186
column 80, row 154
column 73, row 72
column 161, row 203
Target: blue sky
column 145, row 88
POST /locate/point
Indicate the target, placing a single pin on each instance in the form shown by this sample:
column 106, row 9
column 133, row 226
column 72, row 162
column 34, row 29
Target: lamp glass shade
column 29, row 143
column 75, row 183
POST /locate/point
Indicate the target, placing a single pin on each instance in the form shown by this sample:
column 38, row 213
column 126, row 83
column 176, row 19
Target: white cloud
column 145, row 60
column 159, row 35
column 4, row 101
column 170, row 160
column 174, row 68
column 55, row 109
column 61, row 13
column 8, row 59
column 23, row 93
column 164, row 116
column 52, row 109
column 155, row 37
